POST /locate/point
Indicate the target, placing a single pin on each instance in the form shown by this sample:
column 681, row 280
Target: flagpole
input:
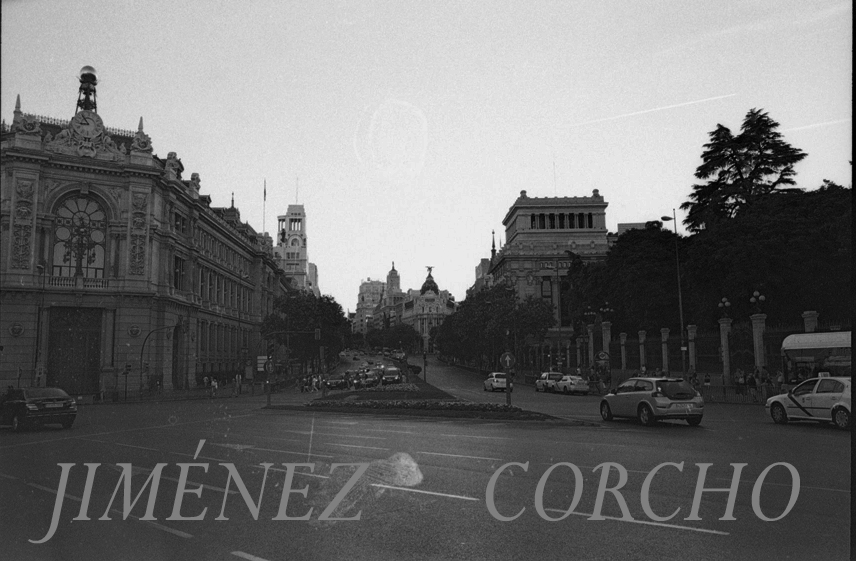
column 264, row 203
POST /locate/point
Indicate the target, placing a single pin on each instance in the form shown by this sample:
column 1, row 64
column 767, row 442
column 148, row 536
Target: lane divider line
column 648, row 523
column 173, row 531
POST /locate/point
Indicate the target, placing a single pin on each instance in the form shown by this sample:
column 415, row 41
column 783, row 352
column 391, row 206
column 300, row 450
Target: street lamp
column 680, row 298
column 756, row 300
column 724, row 305
column 37, row 358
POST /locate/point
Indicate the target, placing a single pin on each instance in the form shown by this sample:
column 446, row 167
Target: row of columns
column 758, row 329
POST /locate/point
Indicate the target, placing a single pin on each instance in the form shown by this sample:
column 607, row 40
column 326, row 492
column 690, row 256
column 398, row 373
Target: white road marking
column 291, row 452
column 409, row 490
column 178, row 533
column 474, row 436
column 395, row 431
column 166, row 426
column 648, row 523
column 8, row 476
column 247, row 556
column 306, row 473
column 354, row 446
column 459, row 456
column 234, row 446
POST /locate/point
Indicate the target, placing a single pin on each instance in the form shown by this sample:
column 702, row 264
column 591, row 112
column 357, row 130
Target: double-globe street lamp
column 680, row 297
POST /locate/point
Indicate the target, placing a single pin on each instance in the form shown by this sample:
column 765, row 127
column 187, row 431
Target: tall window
column 79, row 234
column 178, row 273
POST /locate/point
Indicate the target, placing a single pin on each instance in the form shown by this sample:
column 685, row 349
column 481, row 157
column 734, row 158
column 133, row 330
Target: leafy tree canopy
column 740, row 169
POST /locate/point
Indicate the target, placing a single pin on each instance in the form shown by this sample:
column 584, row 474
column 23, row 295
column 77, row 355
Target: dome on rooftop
column 429, row 284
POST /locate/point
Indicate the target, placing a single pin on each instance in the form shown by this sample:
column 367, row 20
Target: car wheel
column 66, row 424
column 17, row 423
column 566, row 390
column 841, row 418
column 484, row 387
column 605, row 411
column 694, row 421
column 777, row 412
column 646, row 416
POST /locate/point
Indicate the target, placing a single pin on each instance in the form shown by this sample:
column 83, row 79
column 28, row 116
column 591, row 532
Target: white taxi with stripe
column 824, row 399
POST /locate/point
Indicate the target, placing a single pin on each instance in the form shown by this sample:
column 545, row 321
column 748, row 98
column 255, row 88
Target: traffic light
column 271, row 349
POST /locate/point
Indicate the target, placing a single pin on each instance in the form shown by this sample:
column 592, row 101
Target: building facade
column 426, row 308
column 542, row 234
column 292, row 249
column 117, row 274
column 370, row 295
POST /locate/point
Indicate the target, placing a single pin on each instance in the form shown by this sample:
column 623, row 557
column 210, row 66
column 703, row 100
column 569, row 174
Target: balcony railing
column 77, row 282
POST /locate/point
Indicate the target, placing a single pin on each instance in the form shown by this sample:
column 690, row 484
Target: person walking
column 752, row 384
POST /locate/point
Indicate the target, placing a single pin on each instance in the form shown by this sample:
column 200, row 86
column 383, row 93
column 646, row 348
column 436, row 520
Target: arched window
column 295, row 243
column 79, row 233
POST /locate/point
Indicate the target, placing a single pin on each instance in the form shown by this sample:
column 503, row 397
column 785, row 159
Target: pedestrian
column 780, row 379
column 205, row 381
column 239, row 380
column 752, row 384
column 741, row 381
column 214, row 385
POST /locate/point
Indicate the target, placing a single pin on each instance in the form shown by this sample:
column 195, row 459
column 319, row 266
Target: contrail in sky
column 815, row 125
column 653, row 110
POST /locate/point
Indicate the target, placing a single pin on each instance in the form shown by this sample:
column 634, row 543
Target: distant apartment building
column 370, row 295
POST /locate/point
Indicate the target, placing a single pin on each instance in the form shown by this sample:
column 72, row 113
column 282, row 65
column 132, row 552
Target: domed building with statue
column 422, row 309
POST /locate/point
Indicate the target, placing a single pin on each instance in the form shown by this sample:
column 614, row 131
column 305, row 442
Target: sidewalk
column 168, row 395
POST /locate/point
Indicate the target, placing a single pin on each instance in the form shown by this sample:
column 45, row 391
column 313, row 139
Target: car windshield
column 46, row 392
column 675, row 388
column 499, row 375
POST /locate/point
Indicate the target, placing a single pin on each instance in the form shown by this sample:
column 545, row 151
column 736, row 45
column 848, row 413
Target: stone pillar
column 606, row 332
column 622, row 337
column 810, row 321
column 758, row 326
column 724, row 330
column 568, row 354
column 691, row 334
column 579, row 353
column 590, row 328
column 664, row 342
column 641, row 350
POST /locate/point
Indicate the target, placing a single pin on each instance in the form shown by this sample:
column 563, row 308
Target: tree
column 740, row 169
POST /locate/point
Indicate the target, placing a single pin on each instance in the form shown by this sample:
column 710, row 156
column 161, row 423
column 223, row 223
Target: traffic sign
column 507, row 360
column 603, row 355
column 269, row 366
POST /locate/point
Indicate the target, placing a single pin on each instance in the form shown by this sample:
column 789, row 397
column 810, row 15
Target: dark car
column 372, row 379
column 37, row 406
column 337, row 382
column 391, row 375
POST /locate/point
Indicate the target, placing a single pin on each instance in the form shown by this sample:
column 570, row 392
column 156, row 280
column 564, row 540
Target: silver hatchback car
column 653, row 399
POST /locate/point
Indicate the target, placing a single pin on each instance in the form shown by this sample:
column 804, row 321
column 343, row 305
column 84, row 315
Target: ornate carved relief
column 138, row 255
column 142, row 142
column 26, row 124
column 137, row 247
column 22, row 225
column 173, row 166
column 69, row 142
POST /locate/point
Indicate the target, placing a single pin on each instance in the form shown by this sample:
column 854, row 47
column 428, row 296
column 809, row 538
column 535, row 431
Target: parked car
column 496, row 381
column 337, row 382
column 572, row 384
column 37, row 406
column 547, row 381
column 653, row 399
column 818, row 399
column 372, row 378
column 391, row 375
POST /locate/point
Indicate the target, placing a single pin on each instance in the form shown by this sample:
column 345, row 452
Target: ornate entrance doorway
column 74, row 350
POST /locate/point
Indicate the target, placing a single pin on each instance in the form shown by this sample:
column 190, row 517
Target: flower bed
column 419, row 404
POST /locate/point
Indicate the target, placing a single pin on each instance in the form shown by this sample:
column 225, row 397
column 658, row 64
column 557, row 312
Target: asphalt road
column 441, row 509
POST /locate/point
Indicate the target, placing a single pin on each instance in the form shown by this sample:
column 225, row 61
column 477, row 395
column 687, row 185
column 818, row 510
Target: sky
column 408, row 129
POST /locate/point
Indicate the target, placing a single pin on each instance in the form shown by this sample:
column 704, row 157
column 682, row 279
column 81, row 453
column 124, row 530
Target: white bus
column 813, row 355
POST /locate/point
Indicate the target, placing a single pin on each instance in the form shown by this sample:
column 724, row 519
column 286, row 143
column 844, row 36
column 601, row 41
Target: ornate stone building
column 426, row 308
column 539, row 233
column 116, row 272
column 292, row 252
